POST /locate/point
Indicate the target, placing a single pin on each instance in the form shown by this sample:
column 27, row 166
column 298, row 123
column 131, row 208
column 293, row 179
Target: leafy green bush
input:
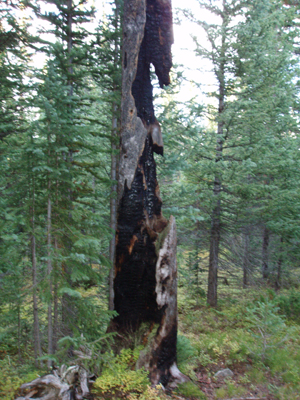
column 11, row 379
column 286, row 363
column 256, row 375
column 285, row 392
column 186, row 356
column 119, row 376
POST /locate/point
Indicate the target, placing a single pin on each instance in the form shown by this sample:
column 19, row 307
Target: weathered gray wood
column 133, row 130
column 163, row 368
column 58, row 386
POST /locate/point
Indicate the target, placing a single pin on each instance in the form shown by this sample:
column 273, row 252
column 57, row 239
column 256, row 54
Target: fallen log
column 63, row 384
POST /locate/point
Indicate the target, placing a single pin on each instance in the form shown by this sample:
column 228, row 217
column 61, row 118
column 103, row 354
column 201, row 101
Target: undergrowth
column 254, row 333
column 120, row 379
column 12, row 376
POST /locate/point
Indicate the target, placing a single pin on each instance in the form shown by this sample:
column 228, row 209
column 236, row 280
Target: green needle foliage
column 269, row 327
column 55, row 185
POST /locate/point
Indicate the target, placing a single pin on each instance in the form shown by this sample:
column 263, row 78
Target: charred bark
column 145, row 280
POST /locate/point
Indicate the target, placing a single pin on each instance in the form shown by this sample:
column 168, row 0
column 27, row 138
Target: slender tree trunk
column 49, row 259
column 113, row 211
column 212, row 295
column 279, row 265
column 70, row 45
column 36, row 329
column 49, row 274
column 68, row 305
column 246, row 259
column 55, row 303
column 56, row 271
column 215, row 232
column 265, row 253
column 19, row 331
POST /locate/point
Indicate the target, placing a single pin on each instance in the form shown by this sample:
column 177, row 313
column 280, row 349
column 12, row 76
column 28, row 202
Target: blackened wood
column 145, row 284
column 160, row 358
column 139, row 212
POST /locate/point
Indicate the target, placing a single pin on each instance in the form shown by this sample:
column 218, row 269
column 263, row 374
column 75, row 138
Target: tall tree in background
column 232, row 176
column 220, row 53
column 63, row 147
column 267, row 98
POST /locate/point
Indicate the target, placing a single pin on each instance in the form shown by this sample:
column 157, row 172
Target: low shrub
column 231, row 345
column 267, row 327
column 11, row 378
column 120, row 376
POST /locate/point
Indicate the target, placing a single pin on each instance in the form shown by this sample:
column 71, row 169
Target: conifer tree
column 255, row 71
column 65, row 149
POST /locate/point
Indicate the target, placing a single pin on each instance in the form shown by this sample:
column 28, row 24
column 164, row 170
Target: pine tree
column 256, row 72
column 58, row 167
column 221, row 53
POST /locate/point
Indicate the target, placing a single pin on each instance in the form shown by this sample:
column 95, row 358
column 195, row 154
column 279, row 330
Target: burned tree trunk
column 145, row 281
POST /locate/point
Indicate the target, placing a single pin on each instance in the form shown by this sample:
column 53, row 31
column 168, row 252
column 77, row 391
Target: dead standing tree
column 145, row 283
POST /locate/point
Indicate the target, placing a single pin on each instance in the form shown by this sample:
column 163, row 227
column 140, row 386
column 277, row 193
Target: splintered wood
column 145, row 284
column 63, row 384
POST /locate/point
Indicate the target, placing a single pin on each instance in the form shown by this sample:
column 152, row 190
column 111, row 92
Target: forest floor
column 249, row 334
column 255, row 333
